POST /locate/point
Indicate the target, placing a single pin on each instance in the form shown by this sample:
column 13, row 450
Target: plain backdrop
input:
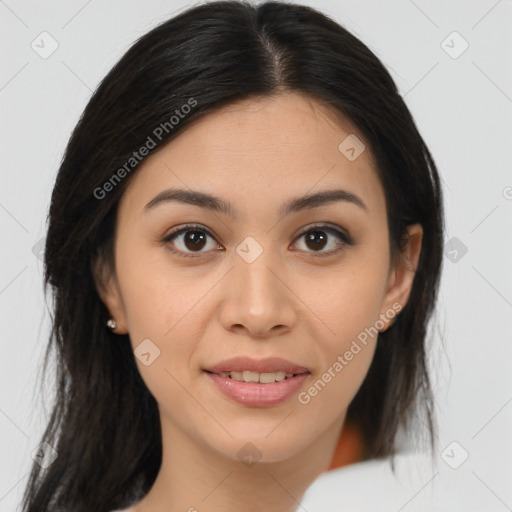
column 452, row 62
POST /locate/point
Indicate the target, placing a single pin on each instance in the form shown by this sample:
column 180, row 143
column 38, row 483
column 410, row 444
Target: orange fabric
column 349, row 447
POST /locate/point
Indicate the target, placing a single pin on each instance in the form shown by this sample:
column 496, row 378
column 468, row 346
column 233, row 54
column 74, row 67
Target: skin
column 256, row 154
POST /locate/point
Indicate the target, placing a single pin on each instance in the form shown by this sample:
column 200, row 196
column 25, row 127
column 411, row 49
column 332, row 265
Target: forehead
column 261, row 150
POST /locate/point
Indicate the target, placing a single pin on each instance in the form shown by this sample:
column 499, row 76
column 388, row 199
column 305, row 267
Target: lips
column 268, row 365
column 251, row 394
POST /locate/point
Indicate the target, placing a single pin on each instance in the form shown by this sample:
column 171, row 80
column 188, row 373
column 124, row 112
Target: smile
column 263, row 378
column 257, row 393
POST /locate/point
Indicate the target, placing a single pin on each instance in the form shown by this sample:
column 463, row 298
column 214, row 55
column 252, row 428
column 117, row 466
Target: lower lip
column 253, row 394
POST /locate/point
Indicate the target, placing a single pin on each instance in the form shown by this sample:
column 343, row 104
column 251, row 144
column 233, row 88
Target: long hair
column 105, row 424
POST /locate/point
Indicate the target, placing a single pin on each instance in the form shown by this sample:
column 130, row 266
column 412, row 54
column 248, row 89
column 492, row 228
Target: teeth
column 263, row 378
column 272, row 377
column 251, row 376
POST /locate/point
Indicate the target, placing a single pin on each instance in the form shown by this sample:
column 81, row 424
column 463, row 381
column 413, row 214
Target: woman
column 244, row 248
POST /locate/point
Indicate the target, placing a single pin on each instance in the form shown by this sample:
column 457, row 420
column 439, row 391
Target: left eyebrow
column 217, row 204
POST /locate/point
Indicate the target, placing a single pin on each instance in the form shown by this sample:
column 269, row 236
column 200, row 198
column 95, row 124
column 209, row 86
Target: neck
column 193, row 477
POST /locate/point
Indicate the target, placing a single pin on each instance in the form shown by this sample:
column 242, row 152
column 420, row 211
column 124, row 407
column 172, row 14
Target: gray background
column 462, row 105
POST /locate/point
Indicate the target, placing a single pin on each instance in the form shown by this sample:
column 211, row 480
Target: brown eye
column 319, row 237
column 192, row 239
column 188, row 240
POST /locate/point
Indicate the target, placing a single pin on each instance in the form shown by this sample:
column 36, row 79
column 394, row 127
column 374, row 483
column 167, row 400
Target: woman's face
column 309, row 284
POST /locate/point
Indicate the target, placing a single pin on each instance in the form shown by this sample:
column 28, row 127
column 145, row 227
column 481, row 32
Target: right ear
column 108, row 289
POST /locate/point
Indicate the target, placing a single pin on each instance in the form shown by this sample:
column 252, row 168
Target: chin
column 262, row 448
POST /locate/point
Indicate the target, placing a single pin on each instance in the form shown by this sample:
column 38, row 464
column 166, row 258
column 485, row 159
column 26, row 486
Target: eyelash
column 345, row 238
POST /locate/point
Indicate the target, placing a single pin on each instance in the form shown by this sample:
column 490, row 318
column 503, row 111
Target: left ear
column 109, row 292
column 402, row 275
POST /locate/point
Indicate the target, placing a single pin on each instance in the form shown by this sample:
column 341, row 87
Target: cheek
column 156, row 298
column 329, row 394
column 348, row 305
column 348, row 302
column 168, row 307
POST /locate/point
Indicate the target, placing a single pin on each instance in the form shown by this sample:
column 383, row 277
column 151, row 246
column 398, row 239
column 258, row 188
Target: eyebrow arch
column 216, row 204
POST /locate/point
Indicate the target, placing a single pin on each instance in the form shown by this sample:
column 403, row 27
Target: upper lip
column 267, row 365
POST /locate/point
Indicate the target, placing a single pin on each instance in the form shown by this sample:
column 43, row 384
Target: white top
column 419, row 485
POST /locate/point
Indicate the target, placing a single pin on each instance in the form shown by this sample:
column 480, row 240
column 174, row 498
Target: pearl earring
column 112, row 323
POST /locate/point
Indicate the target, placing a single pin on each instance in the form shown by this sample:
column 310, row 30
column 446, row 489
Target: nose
column 258, row 299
